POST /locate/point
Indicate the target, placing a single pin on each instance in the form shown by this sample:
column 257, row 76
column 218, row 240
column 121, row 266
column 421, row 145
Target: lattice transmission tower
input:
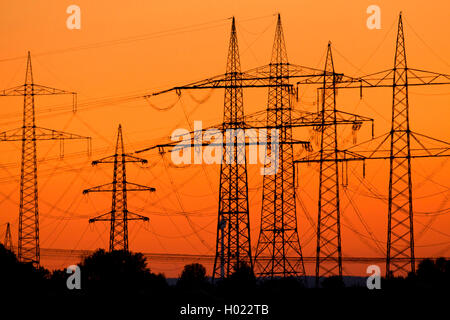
column 28, row 134
column 233, row 222
column 278, row 238
column 400, row 234
column 329, row 156
column 119, row 214
column 233, row 246
column 400, row 257
column 328, row 219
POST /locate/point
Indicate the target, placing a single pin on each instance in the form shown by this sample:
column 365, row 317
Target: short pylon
column 119, row 214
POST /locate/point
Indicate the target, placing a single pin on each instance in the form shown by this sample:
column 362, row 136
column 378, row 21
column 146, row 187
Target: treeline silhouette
column 125, row 274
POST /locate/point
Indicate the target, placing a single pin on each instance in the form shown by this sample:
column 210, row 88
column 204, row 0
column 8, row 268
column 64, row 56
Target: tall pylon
column 119, row 214
column 326, row 123
column 328, row 250
column 400, row 235
column 278, row 252
column 29, row 133
column 8, row 239
column 233, row 223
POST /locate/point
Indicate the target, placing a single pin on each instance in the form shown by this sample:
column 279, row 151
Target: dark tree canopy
column 117, row 272
column 193, row 275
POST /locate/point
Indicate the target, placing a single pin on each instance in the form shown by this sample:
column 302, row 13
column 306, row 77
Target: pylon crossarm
column 41, row 134
column 385, row 78
column 11, row 135
column 342, row 115
column 37, row 90
column 427, row 77
column 50, row 134
column 258, row 77
column 305, row 144
column 307, row 75
column 294, row 71
column 341, row 156
column 422, row 146
column 308, row 119
column 44, row 90
column 131, row 158
column 135, row 216
column 15, row 91
column 137, row 187
column 439, row 148
column 126, row 157
column 102, row 217
column 380, row 155
column 107, row 187
column 220, row 127
column 373, row 80
column 223, row 81
column 176, row 146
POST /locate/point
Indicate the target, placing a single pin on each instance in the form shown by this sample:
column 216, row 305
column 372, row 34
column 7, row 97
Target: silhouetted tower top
column 29, row 72
column 279, row 52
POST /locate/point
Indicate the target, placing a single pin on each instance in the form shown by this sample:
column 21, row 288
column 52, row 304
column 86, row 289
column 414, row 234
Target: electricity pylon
column 119, row 214
column 233, row 245
column 278, row 237
column 328, row 233
column 400, row 258
column 400, row 237
column 233, row 223
column 328, row 221
column 8, row 239
column 29, row 133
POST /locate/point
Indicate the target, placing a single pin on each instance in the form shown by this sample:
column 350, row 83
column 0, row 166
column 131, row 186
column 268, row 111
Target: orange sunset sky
column 138, row 47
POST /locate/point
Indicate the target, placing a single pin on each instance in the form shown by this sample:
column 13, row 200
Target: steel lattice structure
column 233, row 245
column 28, row 134
column 400, row 233
column 119, row 214
column 329, row 155
column 233, row 223
column 328, row 221
column 278, row 237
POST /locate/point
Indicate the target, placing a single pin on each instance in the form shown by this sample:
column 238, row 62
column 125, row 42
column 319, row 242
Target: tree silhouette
column 243, row 274
column 18, row 277
column 432, row 274
column 193, row 276
column 241, row 283
column 118, row 272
